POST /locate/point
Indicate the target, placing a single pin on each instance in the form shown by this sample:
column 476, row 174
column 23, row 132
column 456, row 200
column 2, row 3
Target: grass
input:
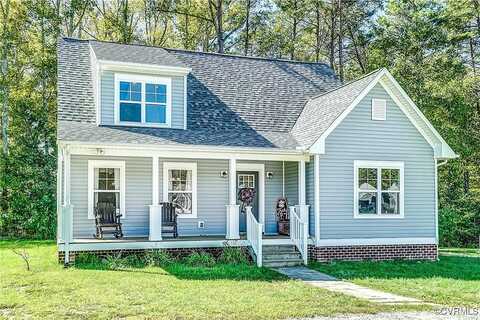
column 178, row 291
column 453, row 281
column 474, row 252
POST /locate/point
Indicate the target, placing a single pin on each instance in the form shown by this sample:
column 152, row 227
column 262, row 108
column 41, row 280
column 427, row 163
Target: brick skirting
column 175, row 252
column 374, row 252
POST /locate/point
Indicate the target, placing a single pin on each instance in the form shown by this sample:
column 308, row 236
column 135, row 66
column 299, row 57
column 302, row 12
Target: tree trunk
column 340, row 41
column 294, row 30
column 332, row 36
column 218, row 16
column 317, row 31
column 355, row 48
column 466, row 181
column 247, row 28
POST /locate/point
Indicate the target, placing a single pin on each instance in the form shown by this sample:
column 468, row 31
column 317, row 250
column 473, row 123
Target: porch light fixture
column 269, row 175
column 224, row 174
column 100, row 151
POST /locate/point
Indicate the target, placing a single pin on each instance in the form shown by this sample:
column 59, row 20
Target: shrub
column 158, row 258
column 233, row 255
column 202, row 258
column 87, row 258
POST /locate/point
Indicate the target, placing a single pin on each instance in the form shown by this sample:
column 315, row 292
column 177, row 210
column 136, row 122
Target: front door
column 247, row 179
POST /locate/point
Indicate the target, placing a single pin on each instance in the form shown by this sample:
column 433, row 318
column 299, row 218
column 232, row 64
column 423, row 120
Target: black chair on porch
column 169, row 219
column 107, row 220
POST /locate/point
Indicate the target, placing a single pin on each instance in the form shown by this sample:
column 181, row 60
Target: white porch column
column 155, row 209
column 301, row 182
column 67, row 208
column 232, row 227
column 59, row 194
column 316, row 177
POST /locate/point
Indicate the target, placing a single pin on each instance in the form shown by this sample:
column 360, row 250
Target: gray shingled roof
column 134, row 53
column 321, row 111
column 91, row 133
column 232, row 100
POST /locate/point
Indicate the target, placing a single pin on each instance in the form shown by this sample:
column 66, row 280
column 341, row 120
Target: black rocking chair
column 107, row 220
column 169, row 219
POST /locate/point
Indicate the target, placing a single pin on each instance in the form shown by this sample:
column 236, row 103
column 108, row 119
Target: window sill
column 145, row 125
column 376, row 216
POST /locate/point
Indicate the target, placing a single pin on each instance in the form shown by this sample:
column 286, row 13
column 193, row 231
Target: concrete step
column 282, row 263
column 279, row 248
column 282, row 256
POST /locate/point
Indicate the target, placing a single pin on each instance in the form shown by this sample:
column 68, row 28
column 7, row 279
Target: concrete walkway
column 325, row 281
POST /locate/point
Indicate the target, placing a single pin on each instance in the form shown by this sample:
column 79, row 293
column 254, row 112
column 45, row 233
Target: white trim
column 142, row 67
column 200, row 152
column 445, row 151
column 436, row 200
column 59, row 194
column 376, row 104
column 260, row 168
column 143, row 79
column 185, row 102
column 155, row 181
column 316, row 177
column 66, row 178
column 92, row 164
column 182, row 166
column 283, row 179
column 379, row 165
column 373, row 241
column 232, row 185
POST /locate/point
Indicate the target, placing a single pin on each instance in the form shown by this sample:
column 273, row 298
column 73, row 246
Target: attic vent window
column 379, row 109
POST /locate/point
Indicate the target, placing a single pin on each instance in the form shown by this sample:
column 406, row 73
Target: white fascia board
column 191, row 152
column 445, row 152
column 142, row 68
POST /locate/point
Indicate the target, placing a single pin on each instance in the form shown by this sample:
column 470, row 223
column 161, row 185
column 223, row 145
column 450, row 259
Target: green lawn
column 453, row 281
column 175, row 292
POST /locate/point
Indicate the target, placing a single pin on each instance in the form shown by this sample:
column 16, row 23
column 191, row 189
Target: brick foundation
column 374, row 252
column 175, row 252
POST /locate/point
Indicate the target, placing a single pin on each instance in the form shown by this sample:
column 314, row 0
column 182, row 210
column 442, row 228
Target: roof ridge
column 200, row 52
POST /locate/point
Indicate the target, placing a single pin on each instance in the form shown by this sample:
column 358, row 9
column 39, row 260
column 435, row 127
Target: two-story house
column 140, row 126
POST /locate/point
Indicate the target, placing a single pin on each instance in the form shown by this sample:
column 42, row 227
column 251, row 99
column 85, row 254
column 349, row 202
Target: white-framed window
column 246, row 181
column 106, row 184
column 180, row 187
column 378, row 189
column 142, row 100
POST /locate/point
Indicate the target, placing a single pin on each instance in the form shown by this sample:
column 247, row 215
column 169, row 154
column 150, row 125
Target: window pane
column 367, row 202
column 130, row 112
column 155, row 113
column 124, row 86
column 130, row 91
column 112, row 198
column 391, row 179
column 156, row 93
column 367, row 178
column 182, row 202
column 391, row 202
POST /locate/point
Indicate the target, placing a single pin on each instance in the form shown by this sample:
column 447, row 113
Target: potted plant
column 283, row 219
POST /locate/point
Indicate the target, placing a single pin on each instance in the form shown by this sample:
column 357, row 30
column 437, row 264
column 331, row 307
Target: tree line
column 431, row 47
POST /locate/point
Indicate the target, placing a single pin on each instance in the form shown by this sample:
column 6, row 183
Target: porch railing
column 299, row 231
column 254, row 235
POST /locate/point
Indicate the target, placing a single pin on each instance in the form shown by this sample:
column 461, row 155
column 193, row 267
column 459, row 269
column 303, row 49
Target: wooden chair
column 169, row 219
column 107, row 221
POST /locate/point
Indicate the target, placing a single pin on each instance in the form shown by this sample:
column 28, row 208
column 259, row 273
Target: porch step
column 281, row 256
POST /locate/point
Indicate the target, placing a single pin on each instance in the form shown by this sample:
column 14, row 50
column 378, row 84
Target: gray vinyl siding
column 107, row 99
column 360, row 138
column 212, row 197
column 273, row 191
column 138, row 195
column 291, row 182
column 309, row 194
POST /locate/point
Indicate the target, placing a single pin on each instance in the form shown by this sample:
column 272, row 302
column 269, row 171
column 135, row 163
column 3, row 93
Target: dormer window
column 142, row 100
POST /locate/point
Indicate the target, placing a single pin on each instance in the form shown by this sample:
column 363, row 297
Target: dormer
column 138, row 86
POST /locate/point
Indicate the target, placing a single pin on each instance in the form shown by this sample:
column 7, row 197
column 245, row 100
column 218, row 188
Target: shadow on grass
column 448, row 267
column 241, row 272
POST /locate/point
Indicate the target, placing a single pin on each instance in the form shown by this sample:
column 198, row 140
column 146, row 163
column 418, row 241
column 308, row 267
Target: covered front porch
column 212, row 215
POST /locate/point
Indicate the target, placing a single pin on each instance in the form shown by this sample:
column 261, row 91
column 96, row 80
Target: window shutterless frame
column 379, row 165
column 92, row 165
column 191, row 166
column 143, row 79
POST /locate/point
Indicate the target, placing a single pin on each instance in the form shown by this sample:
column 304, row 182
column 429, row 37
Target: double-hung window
column 106, row 185
column 378, row 189
column 180, row 187
column 142, row 100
